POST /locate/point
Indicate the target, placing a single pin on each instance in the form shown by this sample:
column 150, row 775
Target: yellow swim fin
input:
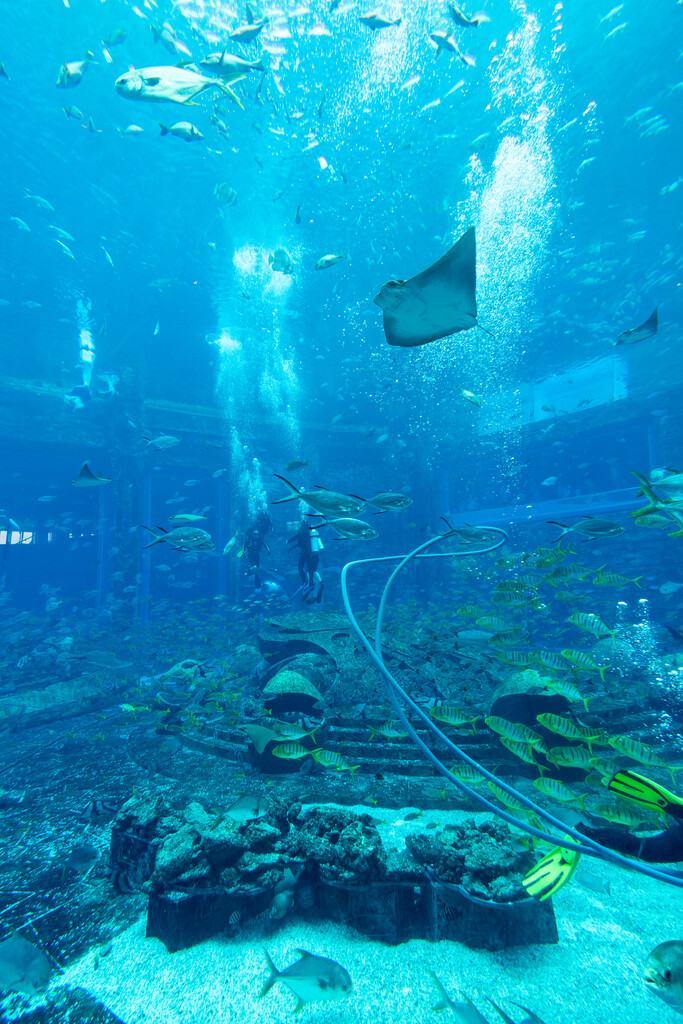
column 551, row 873
column 646, row 793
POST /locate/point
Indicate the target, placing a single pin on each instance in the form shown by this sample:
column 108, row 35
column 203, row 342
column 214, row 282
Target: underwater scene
column 341, row 512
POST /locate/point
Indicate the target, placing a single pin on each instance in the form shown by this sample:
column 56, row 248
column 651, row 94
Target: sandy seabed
column 592, row 976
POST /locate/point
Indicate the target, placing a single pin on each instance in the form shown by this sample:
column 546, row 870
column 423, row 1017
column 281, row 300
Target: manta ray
column 645, row 330
column 86, row 478
column 435, row 303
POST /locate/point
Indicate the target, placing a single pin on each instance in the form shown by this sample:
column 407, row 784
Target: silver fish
column 169, row 85
column 312, row 979
column 183, row 538
column 23, row 968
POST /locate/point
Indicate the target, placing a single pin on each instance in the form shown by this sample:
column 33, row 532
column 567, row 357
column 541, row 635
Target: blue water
column 156, row 312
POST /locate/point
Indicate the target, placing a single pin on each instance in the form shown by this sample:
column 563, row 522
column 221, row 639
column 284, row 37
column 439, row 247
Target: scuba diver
column 307, row 539
column 8, row 525
column 666, row 846
column 254, row 541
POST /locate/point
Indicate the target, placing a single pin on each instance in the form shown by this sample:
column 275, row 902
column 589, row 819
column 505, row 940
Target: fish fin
column 156, row 540
column 224, row 87
column 531, row 1018
column 274, row 975
column 295, row 494
column 646, row 487
column 444, row 999
column 508, row 1020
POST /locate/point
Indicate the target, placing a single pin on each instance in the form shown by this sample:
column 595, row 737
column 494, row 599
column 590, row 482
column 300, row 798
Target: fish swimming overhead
column 377, row 21
column 227, row 65
column 86, row 478
column 328, row 261
column 182, row 130
column 169, row 85
column 281, row 262
column 460, row 18
column 350, row 528
column 387, row 501
column 437, row 302
column 645, row 330
column 327, row 503
column 71, row 73
column 590, row 528
column 183, row 538
column 248, row 33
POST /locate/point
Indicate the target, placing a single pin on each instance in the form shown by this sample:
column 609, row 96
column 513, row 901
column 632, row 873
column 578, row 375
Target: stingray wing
column 437, row 302
column 645, row 330
column 86, row 477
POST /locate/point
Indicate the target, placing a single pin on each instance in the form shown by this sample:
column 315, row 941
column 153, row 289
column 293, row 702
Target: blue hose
column 583, row 844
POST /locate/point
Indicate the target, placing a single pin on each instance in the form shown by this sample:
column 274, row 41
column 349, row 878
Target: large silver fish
column 23, row 968
column 311, row 979
column 183, row 538
column 169, row 85
column 327, row 503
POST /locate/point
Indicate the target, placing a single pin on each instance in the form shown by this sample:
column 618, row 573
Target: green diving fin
column 551, row 873
column 646, row 793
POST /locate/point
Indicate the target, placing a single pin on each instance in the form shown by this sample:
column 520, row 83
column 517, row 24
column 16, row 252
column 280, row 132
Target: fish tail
column 565, row 529
column 444, row 999
column 352, row 770
column 164, row 128
column 645, row 488
column 157, row 537
column 274, row 975
column 292, row 488
column 506, row 1018
column 224, row 87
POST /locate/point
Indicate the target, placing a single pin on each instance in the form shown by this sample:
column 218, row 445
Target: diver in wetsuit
column 666, row 846
column 307, row 539
column 253, row 543
column 663, row 848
